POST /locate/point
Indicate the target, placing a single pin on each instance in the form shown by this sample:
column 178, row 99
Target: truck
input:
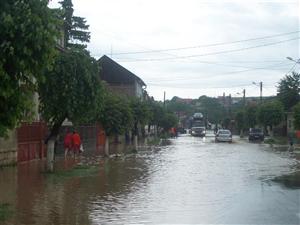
column 198, row 125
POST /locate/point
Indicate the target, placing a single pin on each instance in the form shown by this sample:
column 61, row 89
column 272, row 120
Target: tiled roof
column 114, row 73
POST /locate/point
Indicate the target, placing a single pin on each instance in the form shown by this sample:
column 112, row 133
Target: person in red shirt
column 68, row 142
column 76, row 142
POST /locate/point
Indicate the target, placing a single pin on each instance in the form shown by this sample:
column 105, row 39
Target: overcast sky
column 190, row 48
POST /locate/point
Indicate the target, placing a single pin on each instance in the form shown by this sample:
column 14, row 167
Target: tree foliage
column 177, row 105
column 75, row 27
column 116, row 116
column 71, row 90
column 270, row 114
column 289, row 90
column 213, row 111
column 140, row 111
column 156, row 110
column 251, row 115
column 167, row 120
column 297, row 115
column 27, row 47
column 240, row 120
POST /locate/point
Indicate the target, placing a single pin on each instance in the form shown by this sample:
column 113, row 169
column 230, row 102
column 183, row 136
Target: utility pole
column 244, row 97
column 260, row 86
column 164, row 99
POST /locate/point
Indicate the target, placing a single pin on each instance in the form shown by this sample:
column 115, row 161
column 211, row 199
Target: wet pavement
column 191, row 181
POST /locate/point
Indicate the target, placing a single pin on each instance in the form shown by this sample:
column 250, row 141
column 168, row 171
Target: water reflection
column 190, row 181
column 290, row 181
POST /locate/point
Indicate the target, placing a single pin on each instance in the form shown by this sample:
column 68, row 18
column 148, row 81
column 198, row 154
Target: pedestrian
column 291, row 142
column 68, row 143
column 216, row 128
column 76, row 142
column 176, row 132
column 172, row 132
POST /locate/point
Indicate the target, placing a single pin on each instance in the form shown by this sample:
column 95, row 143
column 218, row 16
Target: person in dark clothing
column 291, row 142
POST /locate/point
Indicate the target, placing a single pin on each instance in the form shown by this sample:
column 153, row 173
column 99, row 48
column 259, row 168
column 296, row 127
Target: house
column 119, row 79
column 225, row 101
column 122, row 82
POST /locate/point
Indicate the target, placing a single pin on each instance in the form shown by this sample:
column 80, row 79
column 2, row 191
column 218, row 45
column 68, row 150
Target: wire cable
column 293, row 67
column 207, row 45
column 227, row 73
column 213, row 53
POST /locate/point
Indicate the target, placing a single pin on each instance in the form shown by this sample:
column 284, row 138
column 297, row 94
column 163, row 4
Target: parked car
column 181, row 130
column 256, row 134
column 198, row 131
column 223, row 135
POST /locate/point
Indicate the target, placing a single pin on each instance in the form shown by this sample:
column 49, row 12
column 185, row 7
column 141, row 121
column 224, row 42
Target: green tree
column 71, row 90
column 212, row 110
column 28, row 41
column 176, row 105
column 289, row 90
column 240, row 118
column 116, row 117
column 167, row 120
column 251, row 116
column 270, row 114
column 155, row 112
column 141, row 113
column 226, row 122
column 141, row 116
column 75, row 28
column 297, row 115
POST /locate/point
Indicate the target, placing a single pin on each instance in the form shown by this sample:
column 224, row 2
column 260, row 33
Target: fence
column 31, row 138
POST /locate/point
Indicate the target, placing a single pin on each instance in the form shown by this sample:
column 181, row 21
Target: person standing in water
column 68, row 143
column 76, row 142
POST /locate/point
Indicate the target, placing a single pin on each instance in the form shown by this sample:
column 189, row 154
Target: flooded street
column 191, row 181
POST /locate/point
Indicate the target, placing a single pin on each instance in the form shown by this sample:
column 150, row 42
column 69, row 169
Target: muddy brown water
column 191, row 181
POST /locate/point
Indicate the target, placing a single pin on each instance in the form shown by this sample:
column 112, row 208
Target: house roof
column 114, row 73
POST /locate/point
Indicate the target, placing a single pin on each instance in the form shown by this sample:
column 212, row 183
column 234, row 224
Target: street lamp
column 244, row 96
column 296, row 61
column 260, row 84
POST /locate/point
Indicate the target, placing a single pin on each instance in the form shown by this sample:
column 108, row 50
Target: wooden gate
column 31, row 138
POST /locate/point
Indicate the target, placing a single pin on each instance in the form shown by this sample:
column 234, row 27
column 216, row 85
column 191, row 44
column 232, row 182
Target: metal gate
column 31, row 141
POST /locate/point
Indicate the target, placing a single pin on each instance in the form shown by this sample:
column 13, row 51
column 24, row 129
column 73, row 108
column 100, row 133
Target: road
column 191, row 181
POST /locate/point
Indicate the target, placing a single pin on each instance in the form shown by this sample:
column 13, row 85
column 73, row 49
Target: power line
column 293, row 67
column 181, row 86
column 213, row 53
column 227, row 73
column 235, row 66
column 207, row 45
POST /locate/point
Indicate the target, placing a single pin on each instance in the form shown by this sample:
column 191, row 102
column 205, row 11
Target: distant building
column 185, row 100
column 226, row 101
column 119, row 79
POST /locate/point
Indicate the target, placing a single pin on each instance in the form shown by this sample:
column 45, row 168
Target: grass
column 277, row 141
column 154, row 141
column 5, row 211
column 12, row 164
column 77, row 171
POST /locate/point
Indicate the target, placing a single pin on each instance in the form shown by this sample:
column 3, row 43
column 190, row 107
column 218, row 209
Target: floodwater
column 191, row 181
